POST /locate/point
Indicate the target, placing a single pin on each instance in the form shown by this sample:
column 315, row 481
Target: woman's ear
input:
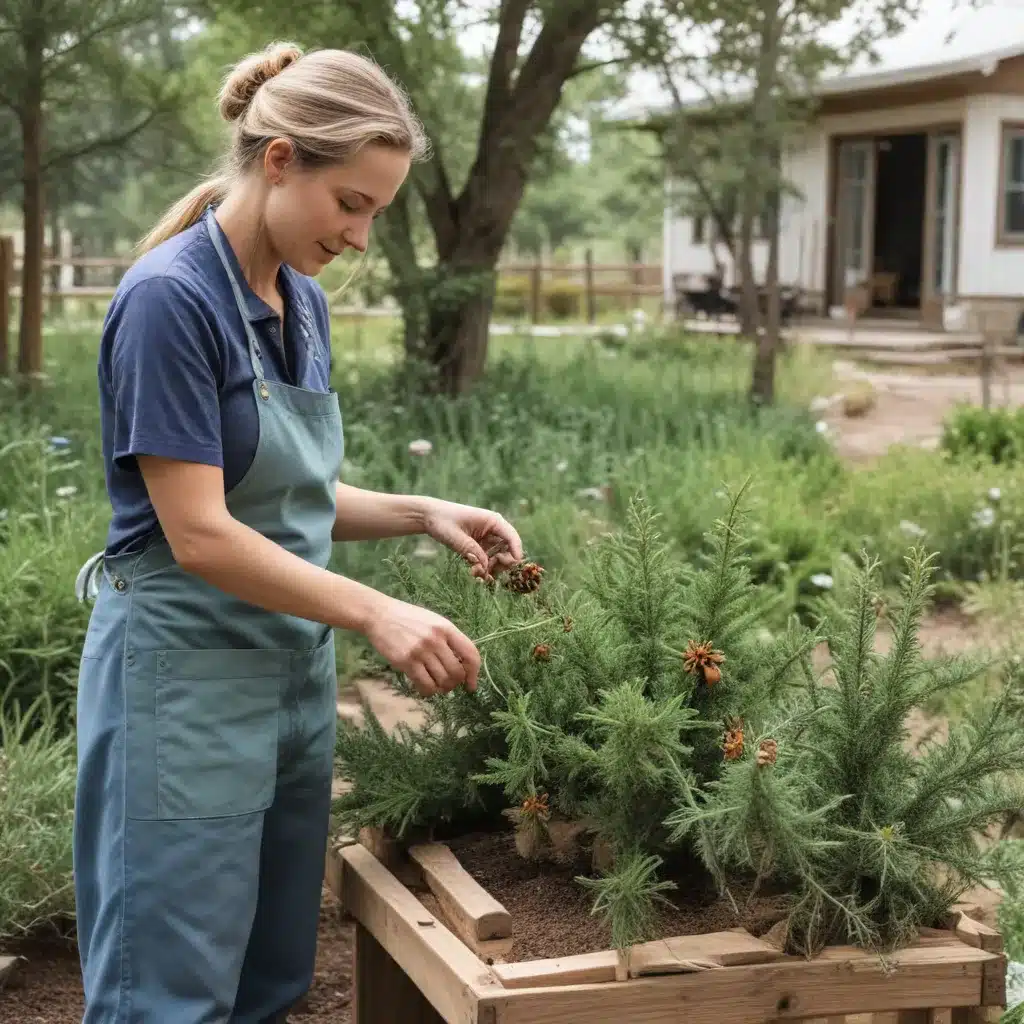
column 277, row 158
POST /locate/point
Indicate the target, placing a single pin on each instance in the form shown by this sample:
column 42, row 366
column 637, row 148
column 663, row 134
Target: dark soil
column 551, row 911
column 46, row 987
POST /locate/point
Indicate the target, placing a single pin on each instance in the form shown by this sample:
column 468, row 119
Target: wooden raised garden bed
column 415, row 966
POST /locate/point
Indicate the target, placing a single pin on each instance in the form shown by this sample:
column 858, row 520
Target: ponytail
column 186, row 211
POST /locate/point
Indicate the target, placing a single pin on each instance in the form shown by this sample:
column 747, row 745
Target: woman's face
column 312, row 216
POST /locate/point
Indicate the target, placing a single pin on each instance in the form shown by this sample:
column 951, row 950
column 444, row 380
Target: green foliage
column 874, row 839
column 37, row 799
column 997, row 434
column 588, row 705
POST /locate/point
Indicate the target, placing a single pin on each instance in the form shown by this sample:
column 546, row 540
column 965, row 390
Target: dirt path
column 910, row 406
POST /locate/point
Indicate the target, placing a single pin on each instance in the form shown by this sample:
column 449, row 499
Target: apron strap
column 243, row 310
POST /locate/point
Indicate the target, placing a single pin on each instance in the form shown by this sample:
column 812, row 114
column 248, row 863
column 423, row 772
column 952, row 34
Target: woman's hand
column 426, row 647
column 483, row 538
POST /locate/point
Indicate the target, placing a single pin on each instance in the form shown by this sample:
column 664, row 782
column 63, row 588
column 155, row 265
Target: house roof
column 947, row 39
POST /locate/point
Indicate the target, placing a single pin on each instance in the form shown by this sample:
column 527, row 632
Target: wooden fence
column 533, row 291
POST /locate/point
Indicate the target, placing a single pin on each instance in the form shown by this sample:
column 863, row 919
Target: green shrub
column 512, row 297
column 996, row 434
column 37, row 800
column 564, row 300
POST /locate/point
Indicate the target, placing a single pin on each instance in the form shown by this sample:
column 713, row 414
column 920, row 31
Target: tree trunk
column 750, row 314
column 763, row 137
column 458, row 339
column 762, row 388
column 56, row 252
column 30, row 332
column 448, row 309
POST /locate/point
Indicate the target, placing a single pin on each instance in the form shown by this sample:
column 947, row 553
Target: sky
column 945, row 30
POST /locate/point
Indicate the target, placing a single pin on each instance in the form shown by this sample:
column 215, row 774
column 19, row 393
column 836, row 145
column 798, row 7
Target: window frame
column 1008, row 131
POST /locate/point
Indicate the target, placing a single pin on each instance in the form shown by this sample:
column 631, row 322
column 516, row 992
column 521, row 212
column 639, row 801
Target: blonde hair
column 327, row 103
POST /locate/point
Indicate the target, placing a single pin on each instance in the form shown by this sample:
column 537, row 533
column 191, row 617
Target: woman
column 206, row 703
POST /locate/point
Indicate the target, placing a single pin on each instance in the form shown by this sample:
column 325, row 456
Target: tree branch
column 97, row 144
column 430, row 179
column 114, row 24
column 595, row 65
column 721, row 221
column 511, row 17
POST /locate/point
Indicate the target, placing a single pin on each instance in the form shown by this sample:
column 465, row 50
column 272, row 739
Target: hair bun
column 250, row 73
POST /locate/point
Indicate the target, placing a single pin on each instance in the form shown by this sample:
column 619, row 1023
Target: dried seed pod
column 703, row 658
column 524, row 577
column 767, row 753
column 542, row 652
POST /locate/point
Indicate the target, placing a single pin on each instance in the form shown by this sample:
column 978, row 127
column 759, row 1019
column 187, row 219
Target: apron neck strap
column 243, row 310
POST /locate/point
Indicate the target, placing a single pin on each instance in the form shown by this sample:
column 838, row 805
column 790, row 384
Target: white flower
column 4, row 513
column 425, row 548
column 421, row 446
column 67, row 491
column 912, row 529
column 591, row 493
column 994, row 494
column 985, row 517
column 820, row 403
column 822, row 580
column 821, row 427
column 561, row 467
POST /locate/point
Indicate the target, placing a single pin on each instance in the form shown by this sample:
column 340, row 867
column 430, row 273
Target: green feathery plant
column 593, row 709
column 874, row 839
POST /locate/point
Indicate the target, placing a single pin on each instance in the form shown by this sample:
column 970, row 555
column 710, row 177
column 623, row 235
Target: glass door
column 855, row 209
column 945, row 158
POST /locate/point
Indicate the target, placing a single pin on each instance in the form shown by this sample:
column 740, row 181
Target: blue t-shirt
column 175, row 374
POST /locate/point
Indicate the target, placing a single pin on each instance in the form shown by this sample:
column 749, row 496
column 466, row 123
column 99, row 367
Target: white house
column 911, row 182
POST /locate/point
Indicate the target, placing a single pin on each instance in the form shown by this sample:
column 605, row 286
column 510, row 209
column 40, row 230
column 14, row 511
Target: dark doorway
column 900, row 179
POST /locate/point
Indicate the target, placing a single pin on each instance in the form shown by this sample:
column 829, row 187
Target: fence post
column 535, row 293
column 588, row 284
column 6, row 284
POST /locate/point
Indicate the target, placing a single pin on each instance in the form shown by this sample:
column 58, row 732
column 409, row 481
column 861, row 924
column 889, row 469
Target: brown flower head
column 542, row 652
column 566, row 623
column 703, row 658
column 732, row 743
column 767, row 753
column 524, row 577
column 536, row 807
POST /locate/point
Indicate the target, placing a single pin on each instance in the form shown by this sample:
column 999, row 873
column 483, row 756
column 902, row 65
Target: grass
column 558, row 436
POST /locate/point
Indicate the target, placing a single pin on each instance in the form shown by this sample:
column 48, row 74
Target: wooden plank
column 7, row 965
column 475, row 915
column 973, row 932
column 853, row 982
column 383, row 991
column 993, row 983
column 732, row 948
column 586, row 968
column 436, row 961
column 664, row 956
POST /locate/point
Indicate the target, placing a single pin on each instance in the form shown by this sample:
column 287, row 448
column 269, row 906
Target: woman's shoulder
column 173, row 271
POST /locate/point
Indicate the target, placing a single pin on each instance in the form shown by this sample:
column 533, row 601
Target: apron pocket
column 215, row 731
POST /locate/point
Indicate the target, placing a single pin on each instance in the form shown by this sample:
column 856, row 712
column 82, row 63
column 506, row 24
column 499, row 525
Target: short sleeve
column 165, row 365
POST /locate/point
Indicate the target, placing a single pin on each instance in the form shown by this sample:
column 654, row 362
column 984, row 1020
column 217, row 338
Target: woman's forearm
column 371, row 515
column 239, row 560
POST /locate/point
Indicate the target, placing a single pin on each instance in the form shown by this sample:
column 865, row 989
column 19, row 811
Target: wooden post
column 985, row 368
column 6, row 284
column 383, row 992
column 535, row 293
column 588, row 285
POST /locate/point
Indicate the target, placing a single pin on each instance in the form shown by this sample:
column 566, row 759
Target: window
column 699, row 224
column 1011, row 186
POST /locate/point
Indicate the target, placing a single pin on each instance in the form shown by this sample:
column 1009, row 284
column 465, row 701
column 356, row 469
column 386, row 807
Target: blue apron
column 205, row 750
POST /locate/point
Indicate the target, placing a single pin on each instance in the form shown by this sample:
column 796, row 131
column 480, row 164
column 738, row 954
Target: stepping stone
column 389, row 707
column 7, row 964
